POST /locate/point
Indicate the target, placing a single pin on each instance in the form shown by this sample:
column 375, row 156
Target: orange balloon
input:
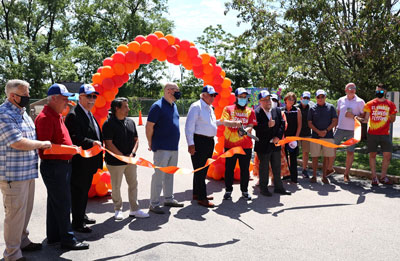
column 107, row 72
column 146, row 47
column 208, row 68
column 155, row 52
column 251, row 166
column 162, row 57
column 187, row 64
column 227, row 82
column 100, row 101
column 136, row 66
column 182, row 56
column 123, row 48
column 223, row 102
column 218, row 112
column 226, row 93
column 94, row 109
column 159, row 34
column 219, row 171
column 192, row 44
column 65, row 111
column 92, row 191
column 109, row 186
column 96, row 177
column 109, row 95
column 129, row 68
column 208, row 78
column 101, row 189
column 134, row 46
column 222, row 73
column 205, row 57
column 102, row 120
column 119, row 68
column 219, row 147
column 170, row 38
column 97, row 78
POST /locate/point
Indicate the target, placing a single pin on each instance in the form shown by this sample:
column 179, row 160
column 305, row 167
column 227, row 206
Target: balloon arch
column 116, row 69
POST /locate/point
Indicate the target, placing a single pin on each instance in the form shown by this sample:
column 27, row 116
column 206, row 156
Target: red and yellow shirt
column 232, row 138
column 379, row 113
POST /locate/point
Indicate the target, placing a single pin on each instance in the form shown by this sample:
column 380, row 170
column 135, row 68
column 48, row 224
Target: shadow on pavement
column 155, row 244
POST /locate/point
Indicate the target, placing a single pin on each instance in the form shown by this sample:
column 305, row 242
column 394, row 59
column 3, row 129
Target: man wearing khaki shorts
column 322, row 118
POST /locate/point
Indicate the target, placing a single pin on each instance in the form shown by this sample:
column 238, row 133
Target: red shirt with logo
column 232, row 138
column 379, row 113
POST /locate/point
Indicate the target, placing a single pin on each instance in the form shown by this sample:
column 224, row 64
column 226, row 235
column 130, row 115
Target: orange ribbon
column 349, row 142
column 73, row 150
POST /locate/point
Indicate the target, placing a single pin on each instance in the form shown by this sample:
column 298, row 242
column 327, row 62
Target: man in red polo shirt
column 56, row 170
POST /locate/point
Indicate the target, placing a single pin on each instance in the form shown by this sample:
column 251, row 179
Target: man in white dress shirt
column 200, row 129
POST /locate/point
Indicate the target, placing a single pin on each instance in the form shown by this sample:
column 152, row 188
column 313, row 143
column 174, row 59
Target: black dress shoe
column 83, row 229
column 32, row 247
column 265, row 192
column 88, row 220
column 75, row 246
column 282, row 192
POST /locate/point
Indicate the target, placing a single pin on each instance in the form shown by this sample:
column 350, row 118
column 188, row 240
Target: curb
column 355, row 172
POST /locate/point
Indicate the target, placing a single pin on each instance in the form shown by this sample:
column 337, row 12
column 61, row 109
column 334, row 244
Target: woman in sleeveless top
column 293, row 118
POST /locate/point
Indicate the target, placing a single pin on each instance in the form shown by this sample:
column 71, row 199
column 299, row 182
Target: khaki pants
column 116, row 173
column 18, row 203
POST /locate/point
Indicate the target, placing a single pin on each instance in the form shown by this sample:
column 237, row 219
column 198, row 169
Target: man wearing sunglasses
column 348, row 107
column 322, row 118
column 381, row 113
column 85, row 132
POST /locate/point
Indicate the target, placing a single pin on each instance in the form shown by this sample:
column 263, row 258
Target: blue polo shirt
column 165, row 117
column 321, row 117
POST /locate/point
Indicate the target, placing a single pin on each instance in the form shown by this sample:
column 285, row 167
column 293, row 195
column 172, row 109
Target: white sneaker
column 138, row 214
column 118, row 215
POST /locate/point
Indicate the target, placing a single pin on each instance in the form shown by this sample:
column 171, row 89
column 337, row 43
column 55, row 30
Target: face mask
column 23, row 102
column 304, row 102
column 379, row 94
column 242, row 101
column 274, row 104
column 177, row 95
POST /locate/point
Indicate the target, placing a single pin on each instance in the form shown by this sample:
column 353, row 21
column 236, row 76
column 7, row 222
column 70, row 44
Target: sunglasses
column 306, row 98
column 213, row 95
column 91, row 96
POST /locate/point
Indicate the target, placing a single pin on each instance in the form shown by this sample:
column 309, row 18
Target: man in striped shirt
column 18, row 168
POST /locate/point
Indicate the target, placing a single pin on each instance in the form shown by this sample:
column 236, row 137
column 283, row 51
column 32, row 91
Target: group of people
column 68, row 178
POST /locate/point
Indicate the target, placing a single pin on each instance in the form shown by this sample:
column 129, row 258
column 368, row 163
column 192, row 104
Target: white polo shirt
column 356, row 106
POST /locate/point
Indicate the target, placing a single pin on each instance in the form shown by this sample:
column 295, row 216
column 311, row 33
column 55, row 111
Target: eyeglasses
column 306, row 98
column 91, row 96
column 213, row 95
column 321, row 97
column 352, row 88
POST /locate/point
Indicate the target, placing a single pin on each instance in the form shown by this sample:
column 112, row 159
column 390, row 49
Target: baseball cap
column 274, row 96
column 209, row 89
column 240, row 90
column 306, row 94
column 87, row 89
column 263, row 94
column 320, row 92
column 58, row 89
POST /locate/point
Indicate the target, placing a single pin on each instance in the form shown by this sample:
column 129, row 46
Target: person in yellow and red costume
column 238, row 115
column 380, row 112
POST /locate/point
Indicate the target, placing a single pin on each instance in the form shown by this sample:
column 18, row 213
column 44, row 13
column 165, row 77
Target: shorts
column 341, row 135
column 317, row 150
column 383, row 140
column 305, row 145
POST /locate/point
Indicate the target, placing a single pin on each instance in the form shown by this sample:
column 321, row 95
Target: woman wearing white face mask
column 305, row 132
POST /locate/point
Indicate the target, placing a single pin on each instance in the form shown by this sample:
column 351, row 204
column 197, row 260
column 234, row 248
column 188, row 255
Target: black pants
column 57, row 176
column 291, row 157
column 80, row 185
column 244, row 163
column 265, row 159
column 204, row 147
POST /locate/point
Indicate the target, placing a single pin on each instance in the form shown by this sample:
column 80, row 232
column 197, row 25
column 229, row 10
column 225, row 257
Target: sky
column 191, row 17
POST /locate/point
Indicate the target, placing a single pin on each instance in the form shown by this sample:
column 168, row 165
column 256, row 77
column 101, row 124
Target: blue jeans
column 56, row 176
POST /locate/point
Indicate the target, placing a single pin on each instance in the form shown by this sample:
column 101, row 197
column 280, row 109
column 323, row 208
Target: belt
column 56, row 161
column 204, row 136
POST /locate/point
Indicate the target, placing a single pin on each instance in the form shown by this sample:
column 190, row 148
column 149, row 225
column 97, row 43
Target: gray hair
column 170, row 85
column 13, row 85
column 51, row 97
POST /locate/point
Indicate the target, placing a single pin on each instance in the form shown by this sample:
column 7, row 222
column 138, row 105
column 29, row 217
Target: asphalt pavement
column 331, row 222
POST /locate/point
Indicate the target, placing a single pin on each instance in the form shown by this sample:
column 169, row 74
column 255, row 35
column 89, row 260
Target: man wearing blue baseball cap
column 200, row 129
column 56, row 170
column 85, row 132
column 269, row 130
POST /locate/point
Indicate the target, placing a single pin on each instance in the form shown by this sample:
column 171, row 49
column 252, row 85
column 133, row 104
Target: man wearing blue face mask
column 162, row 132
column 305, row 130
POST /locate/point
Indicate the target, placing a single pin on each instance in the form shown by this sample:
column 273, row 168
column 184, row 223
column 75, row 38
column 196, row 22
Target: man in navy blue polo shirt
column 162, row 132
column 322, row 118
